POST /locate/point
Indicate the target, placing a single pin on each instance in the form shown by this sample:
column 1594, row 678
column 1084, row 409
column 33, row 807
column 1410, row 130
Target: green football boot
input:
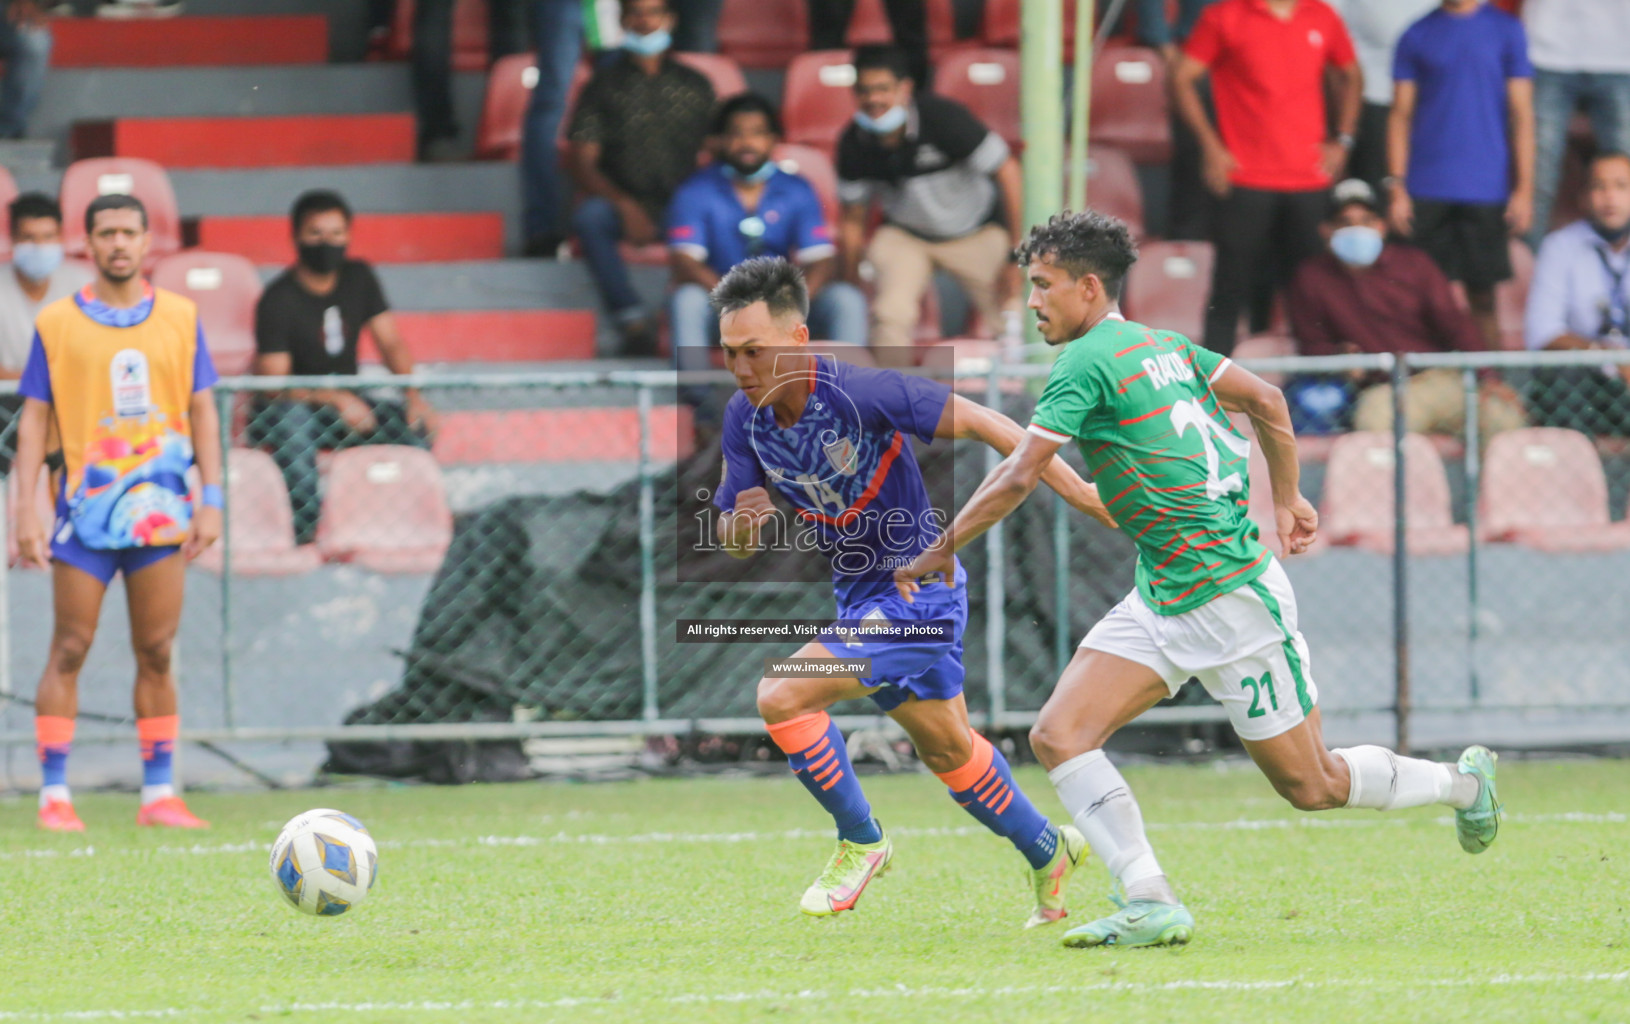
column 845, row 877
column 1478, row 824
column 1138, row 923
column 1049, row 881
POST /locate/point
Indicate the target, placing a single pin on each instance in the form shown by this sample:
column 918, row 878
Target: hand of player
column 937, row 557
column 753, row 509
column 1219, row 164
column 1519, row 212
column 1333, row 157
column 1402, row 217
column 1298, row 525
column 206, row 530
column 422, row 416
column 33, row 543
column 638, row 227
column 355, row 411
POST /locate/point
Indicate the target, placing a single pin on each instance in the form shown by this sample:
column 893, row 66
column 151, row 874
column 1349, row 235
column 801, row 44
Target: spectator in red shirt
column 1366, row 295
column 1269, row 157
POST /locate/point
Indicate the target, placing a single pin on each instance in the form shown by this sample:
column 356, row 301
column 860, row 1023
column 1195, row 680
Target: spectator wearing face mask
column 38, row 277
column 308, row 324
column 742, row 206
column 635, row 135
column 948, row 189
column 1364, row 294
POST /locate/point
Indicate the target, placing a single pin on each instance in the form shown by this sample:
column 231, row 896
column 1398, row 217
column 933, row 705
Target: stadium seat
column 763, row 33
column 385, row 508
column 869, row 25
column 1129, row 109
column 1266, row 346
column 818, row 99
column 1511, row 296
column 968, row 355
column 722, row 73
column 1001, row 25
column 226, row 288
column 44, row 507
column 1112, row 186
column 1544, row 488
column 1167, row 287
column 262, row 522
column 8, row 192
column 470, row 22
column 84, row 180
column 816, row 166
column 942, row 37
column 986, row 81
column 1358, row 496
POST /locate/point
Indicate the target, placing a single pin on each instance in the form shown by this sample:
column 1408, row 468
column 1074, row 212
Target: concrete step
column 286, row 141
column 376, row 237
column 510, row 336
column 76, row 93
column 189, row 41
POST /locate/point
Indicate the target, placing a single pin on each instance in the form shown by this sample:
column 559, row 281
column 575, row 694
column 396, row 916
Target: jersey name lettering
column 1167, row 368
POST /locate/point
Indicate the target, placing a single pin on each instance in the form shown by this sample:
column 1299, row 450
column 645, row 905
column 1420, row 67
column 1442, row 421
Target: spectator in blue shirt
column 743, row 205
column 1580, row 299
column 1462, row 123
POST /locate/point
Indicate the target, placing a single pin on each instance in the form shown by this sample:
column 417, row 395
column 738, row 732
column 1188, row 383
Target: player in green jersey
column 1148, row 409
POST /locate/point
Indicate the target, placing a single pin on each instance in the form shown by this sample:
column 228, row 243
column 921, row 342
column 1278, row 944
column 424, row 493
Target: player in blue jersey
column 832, row 439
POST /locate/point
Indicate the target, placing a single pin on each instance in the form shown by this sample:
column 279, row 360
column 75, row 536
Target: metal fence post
column 223, row 408
column 648, row 581
column 995, row 575
column 1400, row 556
column 1474, row 469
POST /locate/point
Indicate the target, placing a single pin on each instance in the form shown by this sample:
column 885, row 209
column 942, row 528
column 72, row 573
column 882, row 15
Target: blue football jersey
column 847, row 466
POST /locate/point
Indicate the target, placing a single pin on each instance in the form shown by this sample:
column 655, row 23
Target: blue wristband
column 210, row 496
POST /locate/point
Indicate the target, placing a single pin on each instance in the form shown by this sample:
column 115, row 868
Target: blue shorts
column 105, row 564
column 901, row 669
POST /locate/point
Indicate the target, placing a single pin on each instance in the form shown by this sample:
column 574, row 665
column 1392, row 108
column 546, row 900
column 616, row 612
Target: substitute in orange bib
column 121, row 369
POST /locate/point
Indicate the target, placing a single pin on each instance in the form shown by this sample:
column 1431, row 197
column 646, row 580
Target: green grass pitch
column 676, row 900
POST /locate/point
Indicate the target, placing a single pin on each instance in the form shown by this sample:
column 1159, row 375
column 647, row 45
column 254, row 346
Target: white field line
column 892, row 992
column 704, row 838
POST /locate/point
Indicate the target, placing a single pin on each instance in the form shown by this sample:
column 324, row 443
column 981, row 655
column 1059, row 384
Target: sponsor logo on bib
column 132, row 391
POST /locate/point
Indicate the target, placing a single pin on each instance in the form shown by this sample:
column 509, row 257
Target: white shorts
column 1243, row 646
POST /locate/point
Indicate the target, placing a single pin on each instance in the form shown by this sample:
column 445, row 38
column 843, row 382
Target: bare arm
column 687, row 269
column 1240, row 390
column 1219, row 163
column 1347, row 87
column 583, row 163
column 965, row 419
column 852, row 239
column 817, row 274
column 1010, row 183
column 1520, row 208
column 739, row 530
column 395, row 352
column 33, row 423
column 1398, row 124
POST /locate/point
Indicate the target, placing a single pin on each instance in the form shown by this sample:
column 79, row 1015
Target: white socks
column 1103, row 808
column 160, row 792
column 1384, row 781
column 50, row 793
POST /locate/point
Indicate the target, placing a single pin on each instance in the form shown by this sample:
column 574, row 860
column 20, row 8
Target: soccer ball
column 324, row 862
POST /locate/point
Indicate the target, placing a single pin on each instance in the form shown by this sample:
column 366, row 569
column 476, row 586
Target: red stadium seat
column 262, row 521
column 1113, row 188
column 385, row 508
column 470, row 23
column 817, row 167
column 1544, row 488
column 1266, row 346
column 84, row 180
column 1168, row 286
column 1358, row 496
column 763, row 33
column 226, row 288
column 869, row 25
column 8, row 192
column 1129, row 108
column 986, row 81
column 942, row 37
column 818, row 99
column 1511, row 297
column 503, row 112
column 722, row 73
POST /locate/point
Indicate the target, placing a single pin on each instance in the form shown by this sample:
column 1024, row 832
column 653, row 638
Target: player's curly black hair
column 1088, row 242
column 774, row 281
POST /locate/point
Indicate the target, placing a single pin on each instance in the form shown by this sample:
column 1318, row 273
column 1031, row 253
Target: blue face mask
column 758, row 177
column 36, row 261
column 648, row 45
column 892, row 120
column 1357, row 245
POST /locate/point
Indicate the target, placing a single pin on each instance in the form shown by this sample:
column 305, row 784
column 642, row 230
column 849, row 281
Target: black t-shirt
column 319, row 332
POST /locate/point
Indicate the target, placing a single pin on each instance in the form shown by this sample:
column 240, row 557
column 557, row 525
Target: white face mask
column 36, row 261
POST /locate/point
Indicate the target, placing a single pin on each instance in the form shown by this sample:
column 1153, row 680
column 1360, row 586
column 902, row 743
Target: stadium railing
column 523, row 579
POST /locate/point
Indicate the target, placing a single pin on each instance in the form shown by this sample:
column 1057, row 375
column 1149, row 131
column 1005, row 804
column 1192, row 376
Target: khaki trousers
column 1435, row 403
column 904, row 268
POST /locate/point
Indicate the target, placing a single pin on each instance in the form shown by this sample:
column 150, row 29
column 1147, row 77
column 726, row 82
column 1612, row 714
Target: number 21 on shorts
column 1258, row 687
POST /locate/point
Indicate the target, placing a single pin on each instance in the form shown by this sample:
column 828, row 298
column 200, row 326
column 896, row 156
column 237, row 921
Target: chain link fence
column 518, row 572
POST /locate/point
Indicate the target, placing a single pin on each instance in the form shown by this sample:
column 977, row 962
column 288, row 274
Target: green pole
column 1080, row 104
column 1041, row 116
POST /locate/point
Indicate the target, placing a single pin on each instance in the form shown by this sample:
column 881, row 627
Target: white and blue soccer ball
column 324, row 862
